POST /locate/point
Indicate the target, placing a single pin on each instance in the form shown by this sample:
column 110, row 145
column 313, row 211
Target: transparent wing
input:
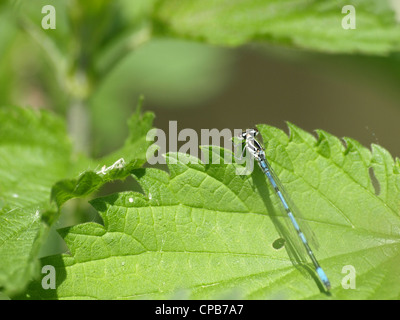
column 295, row 246
column 301, row 220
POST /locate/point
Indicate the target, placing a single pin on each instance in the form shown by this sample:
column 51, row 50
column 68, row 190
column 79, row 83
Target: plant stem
column 78, row 120
column 78, row 117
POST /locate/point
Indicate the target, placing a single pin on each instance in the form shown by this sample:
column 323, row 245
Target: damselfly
column 256, row 150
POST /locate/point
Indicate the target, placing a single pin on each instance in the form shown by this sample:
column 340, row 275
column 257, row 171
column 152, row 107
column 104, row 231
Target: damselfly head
column 249, row 133
column 253, row 132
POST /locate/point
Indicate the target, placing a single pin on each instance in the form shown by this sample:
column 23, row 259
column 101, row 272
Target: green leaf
column 37, row 165
column 136, row 145
column 116, row 166
column 309, row 24
column 34, row 153
column 202, row 231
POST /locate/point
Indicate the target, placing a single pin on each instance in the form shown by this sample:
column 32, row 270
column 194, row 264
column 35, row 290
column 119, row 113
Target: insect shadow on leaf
column 293, row 248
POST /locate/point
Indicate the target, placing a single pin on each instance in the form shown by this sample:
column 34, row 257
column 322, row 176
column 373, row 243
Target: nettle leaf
column 116, row 166
column 310, row 24
column 35, row 154
column 203, row 231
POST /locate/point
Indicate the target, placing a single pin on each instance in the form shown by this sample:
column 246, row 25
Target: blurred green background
column 199, row 85
column 103, row 55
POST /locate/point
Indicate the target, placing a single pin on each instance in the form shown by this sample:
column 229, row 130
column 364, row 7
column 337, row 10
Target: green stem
column 78, row 116
column 78, row 120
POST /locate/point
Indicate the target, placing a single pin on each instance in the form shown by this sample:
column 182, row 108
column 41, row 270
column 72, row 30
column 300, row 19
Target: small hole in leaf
column 374, row 181
column 278, row 243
